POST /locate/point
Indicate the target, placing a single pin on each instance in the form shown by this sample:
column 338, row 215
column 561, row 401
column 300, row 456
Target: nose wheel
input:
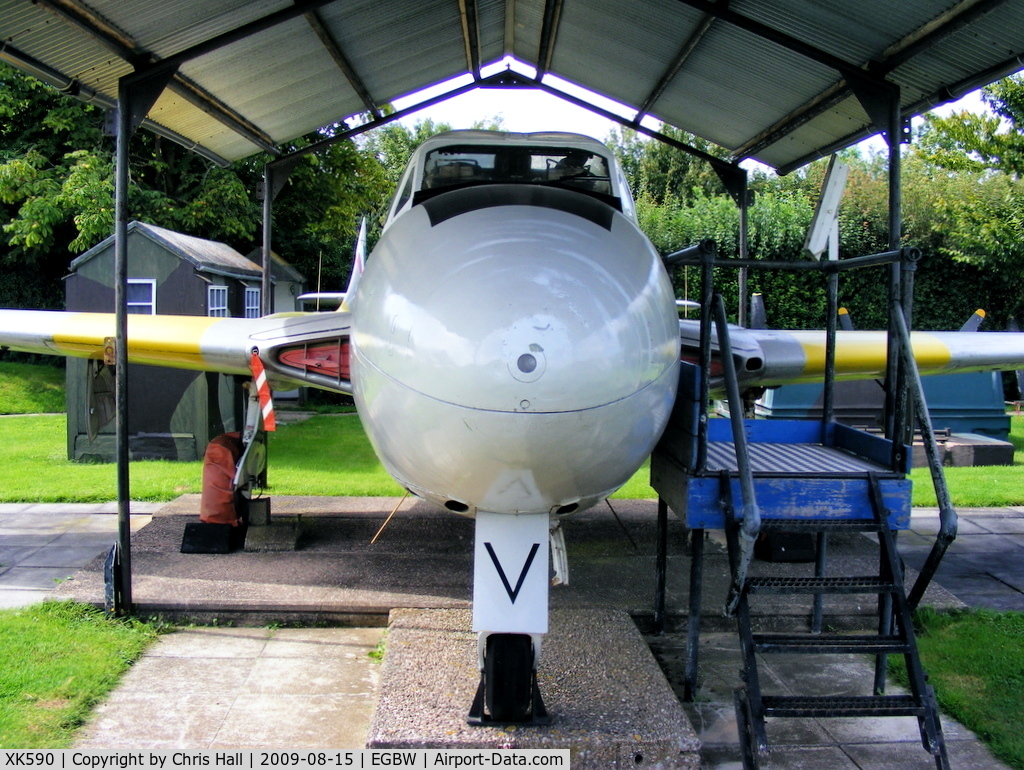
column 508, row 692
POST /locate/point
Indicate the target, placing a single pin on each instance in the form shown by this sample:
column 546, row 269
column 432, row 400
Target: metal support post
column 742, row 277
column 661, row 568
column 268, row 199
column 123, row 554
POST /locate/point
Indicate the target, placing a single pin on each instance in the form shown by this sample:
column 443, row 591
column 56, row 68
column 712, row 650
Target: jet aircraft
column 513, row 346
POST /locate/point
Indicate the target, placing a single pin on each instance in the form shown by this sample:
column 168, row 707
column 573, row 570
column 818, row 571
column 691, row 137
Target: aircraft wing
column 295, row 348
column 769, row 357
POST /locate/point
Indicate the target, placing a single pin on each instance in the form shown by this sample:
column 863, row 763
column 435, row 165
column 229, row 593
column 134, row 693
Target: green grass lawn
column 59, row 660
column 30, row 388
column 325, row 455
column 983, row 486
column 33, row 454
column 330, row 455
column 975, row 661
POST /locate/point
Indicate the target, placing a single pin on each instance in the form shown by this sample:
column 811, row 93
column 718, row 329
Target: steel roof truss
column 676, row 64
column 874, row 105
column 124, row 47
column 548, row 34
column 929, row 35
column 172, row 63
column 879, row 104
column 98, row 28
column 846, row 69
column 471, row 35
column 138, row 97
column 313, row 17
column 165, row 69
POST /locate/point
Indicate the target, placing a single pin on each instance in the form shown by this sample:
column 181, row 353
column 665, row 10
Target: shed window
column 141, row 296
column 217, row 297
column 252, row 303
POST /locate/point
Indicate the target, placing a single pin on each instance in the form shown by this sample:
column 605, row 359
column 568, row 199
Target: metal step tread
column 844, row 706
column 871, row 644
column 849, row 584
column 791, row 460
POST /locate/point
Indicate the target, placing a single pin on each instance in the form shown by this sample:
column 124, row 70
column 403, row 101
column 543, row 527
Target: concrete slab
column 248, row 688
column 608, row 698
column 281, row 535
column 44, row 579
column 13, row 598
column 999, row 524
column 424, row 559
column 42, row 546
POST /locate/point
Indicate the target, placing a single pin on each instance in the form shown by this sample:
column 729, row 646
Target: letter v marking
column 512, row 593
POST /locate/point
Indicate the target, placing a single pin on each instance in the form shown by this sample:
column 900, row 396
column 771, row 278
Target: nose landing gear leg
column 510, row 616
column 508, row 691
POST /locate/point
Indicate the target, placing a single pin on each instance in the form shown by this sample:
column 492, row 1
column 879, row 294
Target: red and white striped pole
column 259, row 376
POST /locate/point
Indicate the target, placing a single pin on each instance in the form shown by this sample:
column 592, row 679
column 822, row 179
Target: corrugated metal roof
column 767, row 79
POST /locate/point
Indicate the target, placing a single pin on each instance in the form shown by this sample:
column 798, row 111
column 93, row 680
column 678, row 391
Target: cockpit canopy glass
column 564, row 166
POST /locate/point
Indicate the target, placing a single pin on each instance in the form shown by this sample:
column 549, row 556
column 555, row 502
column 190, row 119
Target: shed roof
column 773, row 80
column 281, row 269
column 205, row 256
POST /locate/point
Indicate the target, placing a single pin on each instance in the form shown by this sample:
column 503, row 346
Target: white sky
column 532, row 110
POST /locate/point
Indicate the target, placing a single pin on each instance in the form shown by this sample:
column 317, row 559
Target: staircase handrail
column 947, row 513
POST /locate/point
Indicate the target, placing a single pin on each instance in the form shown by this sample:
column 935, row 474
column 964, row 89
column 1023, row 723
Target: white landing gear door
column 510, row 573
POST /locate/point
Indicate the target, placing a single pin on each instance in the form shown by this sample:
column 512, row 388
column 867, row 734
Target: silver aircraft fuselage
column 515, row 344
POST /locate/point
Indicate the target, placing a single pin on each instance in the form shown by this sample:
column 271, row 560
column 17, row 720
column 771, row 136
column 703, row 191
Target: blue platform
column 802, row 469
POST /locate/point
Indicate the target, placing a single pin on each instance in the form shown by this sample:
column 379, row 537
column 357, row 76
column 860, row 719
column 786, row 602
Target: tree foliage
column 57, row 181
column 52, row 157
column 391, row 146
column 973, row 164
column 964, row 218
column 316, row 216
column 661, row 172
column 966, row 141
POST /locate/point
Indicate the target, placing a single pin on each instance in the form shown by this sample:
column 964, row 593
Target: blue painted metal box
column 802, row 468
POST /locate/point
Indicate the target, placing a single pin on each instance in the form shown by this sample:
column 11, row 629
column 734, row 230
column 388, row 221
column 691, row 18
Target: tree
column 966, row 141
column 316, row 216
column 391, row 146
column 52, row 156
column 56, row 193
column 661, row 171
column 947, row 289
column 973, row 164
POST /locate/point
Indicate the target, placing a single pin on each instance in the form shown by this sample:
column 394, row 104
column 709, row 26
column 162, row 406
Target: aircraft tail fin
column 758, row 316
column 974, row 321
column 845, row 322
column 358, row 263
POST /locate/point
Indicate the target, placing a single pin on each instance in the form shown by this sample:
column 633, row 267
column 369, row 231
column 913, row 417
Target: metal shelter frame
column 139, row 90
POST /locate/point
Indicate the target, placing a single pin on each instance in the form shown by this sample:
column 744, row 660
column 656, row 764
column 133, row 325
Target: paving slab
column 607, row 697
column 829, row 744
column 43, row 545
column 243, row 688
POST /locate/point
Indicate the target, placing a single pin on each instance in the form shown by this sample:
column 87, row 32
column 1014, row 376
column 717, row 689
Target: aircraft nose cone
column 520, row 308
column 514, row 358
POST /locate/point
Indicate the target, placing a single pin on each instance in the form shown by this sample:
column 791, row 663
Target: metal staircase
column 895, row 636
column 756, row 477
